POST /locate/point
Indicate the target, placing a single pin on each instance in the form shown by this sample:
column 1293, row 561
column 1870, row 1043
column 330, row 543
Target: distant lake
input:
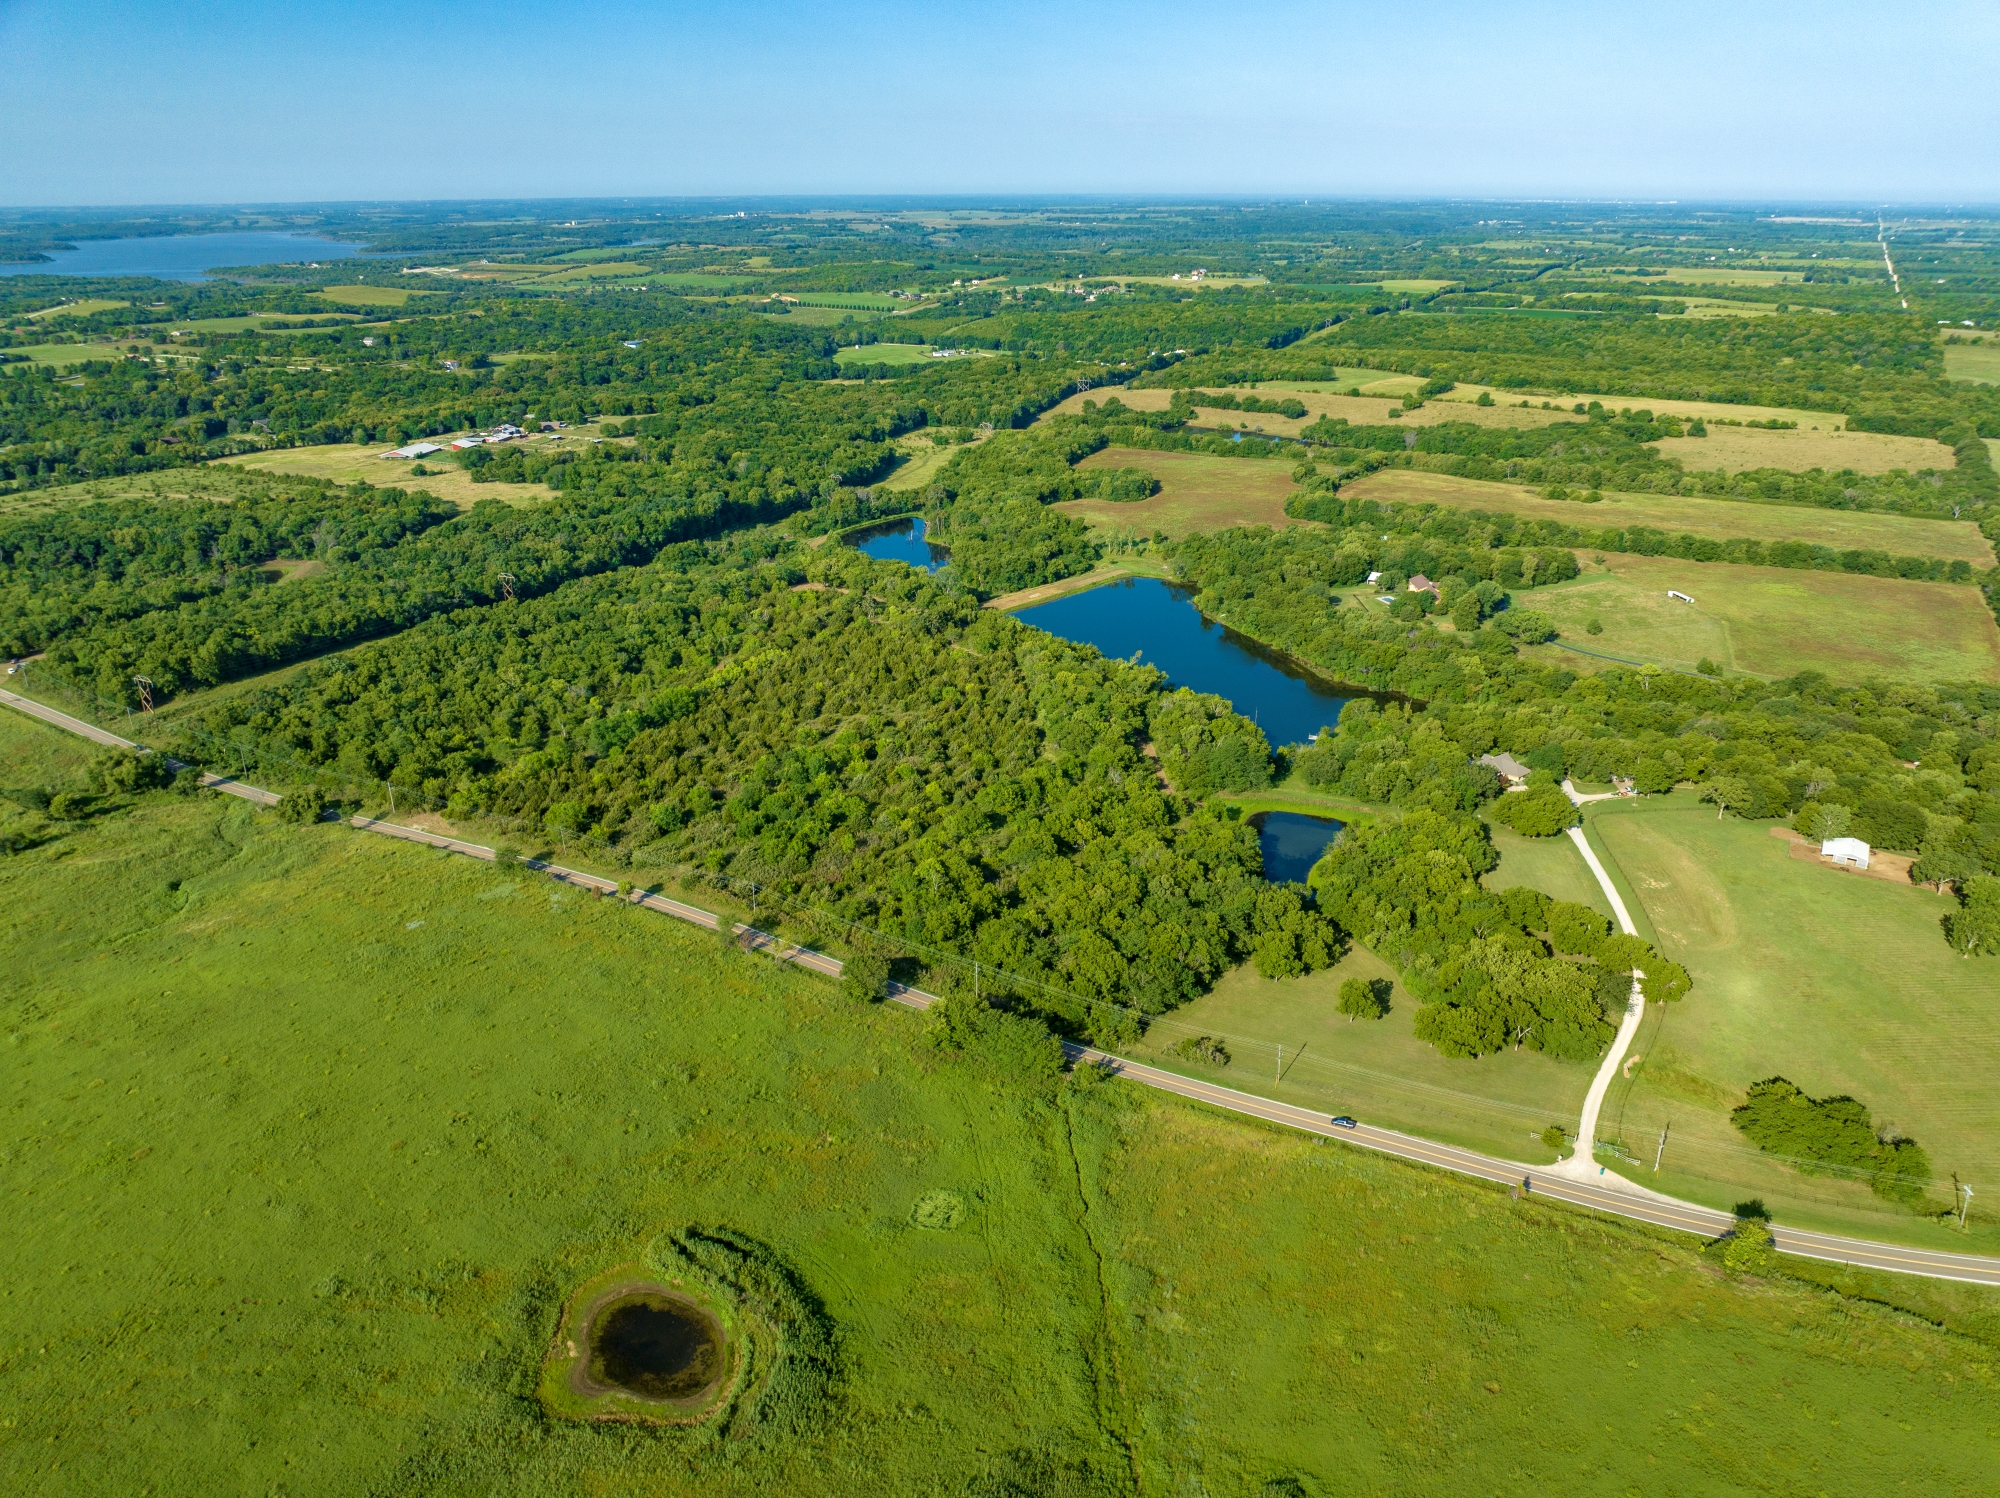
column 1292, row 843
column 900, row 541
column 184, row 257
column 1159, row 622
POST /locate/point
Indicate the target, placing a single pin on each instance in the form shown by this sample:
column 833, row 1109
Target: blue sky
column 222, row 101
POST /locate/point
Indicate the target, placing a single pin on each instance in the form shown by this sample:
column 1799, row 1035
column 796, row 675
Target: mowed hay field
column 1844, row 985
column 1197, row 493
column 1720, row 519
column 311, row 1132
column 1735, row 449
column 345, row 463
column 1771, row 621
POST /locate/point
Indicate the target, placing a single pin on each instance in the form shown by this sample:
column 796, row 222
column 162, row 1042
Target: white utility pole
column 1661, row 1150
column 1967, row 1207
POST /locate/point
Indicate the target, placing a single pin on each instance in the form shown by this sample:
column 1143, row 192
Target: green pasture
column 1198, row 492
column 370, row 296
column 1549, row 864
column 885, row 353
column 82, row 307
column 347, row 463
column 1842, row 984
column 1772, row 621
column 1372, row 1069
column 1721, row 519
column 1977, row 362
column 61, row 355
column 313, row 1131
column 920, row 461
column 703, row 281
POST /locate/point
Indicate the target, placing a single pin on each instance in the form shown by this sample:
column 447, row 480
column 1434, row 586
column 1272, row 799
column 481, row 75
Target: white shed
column 1850, row 851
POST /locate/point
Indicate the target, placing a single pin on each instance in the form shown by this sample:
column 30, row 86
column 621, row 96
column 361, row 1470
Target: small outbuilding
column 1848, row 852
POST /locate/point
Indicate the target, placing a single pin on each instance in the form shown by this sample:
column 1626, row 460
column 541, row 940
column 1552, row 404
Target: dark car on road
column 1343, row 1122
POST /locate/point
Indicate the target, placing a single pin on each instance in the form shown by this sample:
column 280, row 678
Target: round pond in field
column 655, row 1345
column 1292, row 843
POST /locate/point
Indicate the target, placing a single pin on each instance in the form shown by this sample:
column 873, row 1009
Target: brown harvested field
column 1708, row 410
column 1360, row 410
column 1735, row 449
column 1721, row 519
column 1197, row 493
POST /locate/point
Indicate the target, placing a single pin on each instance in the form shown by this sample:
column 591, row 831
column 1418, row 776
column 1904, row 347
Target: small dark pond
column 901, row 541
column 1292, row 843
column 183, row 257
column 656, row 1347
column 1159, row 622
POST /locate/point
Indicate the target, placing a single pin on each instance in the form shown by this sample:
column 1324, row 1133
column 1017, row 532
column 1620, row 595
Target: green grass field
column 884, row 353
column 921, row 460
column 1197, row 493
column 370, row 296
column 1549, row 864
column 1842, row 984
column 1772, row 621
column 311, row 1132
column 83, row 307
column 346, row 463
column 1375, row 1069
column 1721, row 519
column 62, row 355
column 1977, row 362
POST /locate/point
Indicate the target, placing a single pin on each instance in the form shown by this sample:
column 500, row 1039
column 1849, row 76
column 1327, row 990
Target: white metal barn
column 1848, row 851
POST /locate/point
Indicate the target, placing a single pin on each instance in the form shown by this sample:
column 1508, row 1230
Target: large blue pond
column 1158, row 622
column 184, row 257
column 901, row 541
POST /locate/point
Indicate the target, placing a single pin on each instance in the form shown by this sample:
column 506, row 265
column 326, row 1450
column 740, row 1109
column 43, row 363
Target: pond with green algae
column 656, row 1346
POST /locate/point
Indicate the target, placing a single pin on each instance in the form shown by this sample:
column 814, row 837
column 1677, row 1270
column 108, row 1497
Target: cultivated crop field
column 1735, row 449
column 318, row 1130
column 1839, row 983
column 1773, row 622
column 1719, row 518
column 1198, row 492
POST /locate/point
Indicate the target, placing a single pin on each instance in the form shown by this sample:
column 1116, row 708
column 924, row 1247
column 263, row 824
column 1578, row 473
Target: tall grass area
column 309, row 1133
